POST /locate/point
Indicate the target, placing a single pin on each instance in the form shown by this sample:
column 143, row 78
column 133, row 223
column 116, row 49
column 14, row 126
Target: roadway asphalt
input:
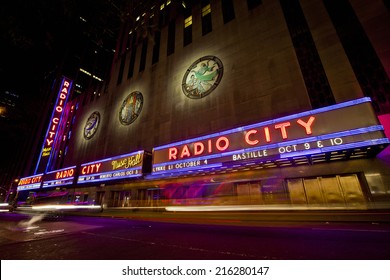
column 250, row 218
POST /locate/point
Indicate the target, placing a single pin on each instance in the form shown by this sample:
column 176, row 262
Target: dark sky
column 35, row 34
column 35, row 38
column 30, row 32
column 28, row 42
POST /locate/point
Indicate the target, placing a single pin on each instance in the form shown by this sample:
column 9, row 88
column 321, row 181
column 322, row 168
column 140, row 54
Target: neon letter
column 209, row 145
column 185, row 152
column 249, row 133
column 198, row 148
column 307, row 125
column 267, row 135
column 172, row 153
column 219, row 147
column 282, row 127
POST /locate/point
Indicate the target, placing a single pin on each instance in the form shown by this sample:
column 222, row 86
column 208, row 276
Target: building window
column 164, row 14
column 387, row 4
column 156, row 47
column 188, row 22
column 228, row 10
column 132, row 58
column 129, row 40
column 317, row 85
column 93, row 94
column 143, row 54
column 188, row 31
column 121, row 68
column 253, row 3
column 121, row 39
column 368, row 68
column 187, row 15
column 206, row 18
column 171, row 37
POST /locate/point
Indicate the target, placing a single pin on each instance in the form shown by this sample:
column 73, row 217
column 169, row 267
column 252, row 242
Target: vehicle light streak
column 219, row 208
column 64, row 207
column 49, row 231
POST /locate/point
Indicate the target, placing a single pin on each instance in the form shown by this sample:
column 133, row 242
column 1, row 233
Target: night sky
column 35, row 39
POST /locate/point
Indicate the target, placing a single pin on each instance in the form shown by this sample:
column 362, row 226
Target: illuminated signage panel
column 30, row 183
column 120, row 167
column 342, row 126
column 61, row 177
column 54, row 124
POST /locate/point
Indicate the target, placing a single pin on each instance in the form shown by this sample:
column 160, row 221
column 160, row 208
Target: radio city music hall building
column 263, row 103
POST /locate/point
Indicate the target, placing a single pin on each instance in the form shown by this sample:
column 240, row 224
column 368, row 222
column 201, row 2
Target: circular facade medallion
column 91, row 125
column 131, row 108
column 202, row 77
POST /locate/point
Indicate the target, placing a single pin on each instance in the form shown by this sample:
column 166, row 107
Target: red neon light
column 185, row 152
column 249, row 133
column 221, row 144
column 252, row 137
column 218, row 144
column 282, row 127
column 267, row 135
column 91, row 168
column 307, row 125
column 198, row 148
column 172, row 153
column 65, row 174
column 209, row 145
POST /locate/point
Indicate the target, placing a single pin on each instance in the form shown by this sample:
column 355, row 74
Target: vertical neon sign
column 55, row 122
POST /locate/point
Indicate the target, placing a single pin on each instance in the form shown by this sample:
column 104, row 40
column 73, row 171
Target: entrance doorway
column 339, row 190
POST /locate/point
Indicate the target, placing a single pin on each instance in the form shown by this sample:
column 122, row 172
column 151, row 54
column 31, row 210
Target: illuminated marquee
column 342, row 126
column 61, row 177
column 120, row 167
column 30, row 183
column 55, row 122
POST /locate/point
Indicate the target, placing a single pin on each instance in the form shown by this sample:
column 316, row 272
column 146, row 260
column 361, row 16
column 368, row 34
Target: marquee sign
column 342, row 126
column 54, row 124
column 120, row 167
column 30, row 183
column 61, row 177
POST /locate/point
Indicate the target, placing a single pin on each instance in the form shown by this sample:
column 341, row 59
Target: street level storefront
column 323, row 158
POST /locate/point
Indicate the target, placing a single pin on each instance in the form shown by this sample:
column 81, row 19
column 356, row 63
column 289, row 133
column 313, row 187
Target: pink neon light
column 57, row 113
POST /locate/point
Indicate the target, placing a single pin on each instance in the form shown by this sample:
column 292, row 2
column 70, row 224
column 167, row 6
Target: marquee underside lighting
column 113, row 168
column 60, row 177
column 344, row 126
column 344, row 131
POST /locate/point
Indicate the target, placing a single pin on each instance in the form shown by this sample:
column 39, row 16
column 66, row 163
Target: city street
column 107, row 238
